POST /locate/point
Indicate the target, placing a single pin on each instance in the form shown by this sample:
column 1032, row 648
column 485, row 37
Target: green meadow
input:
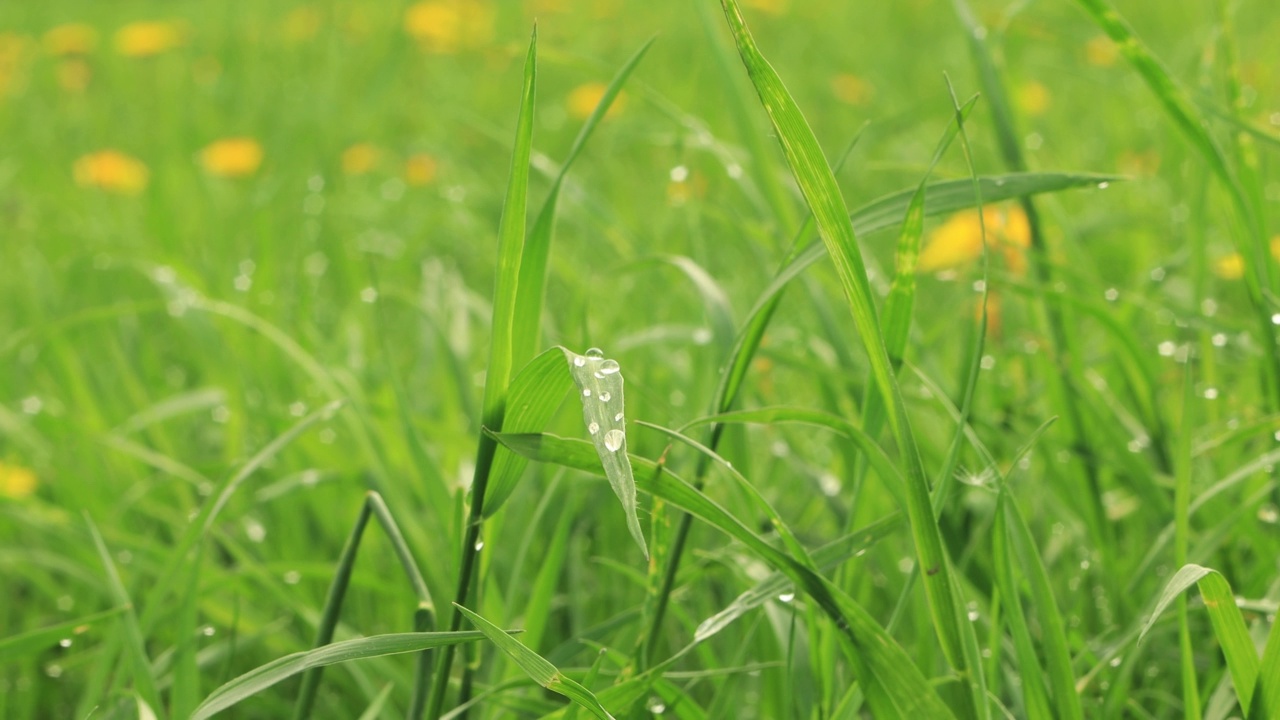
column 590, row 359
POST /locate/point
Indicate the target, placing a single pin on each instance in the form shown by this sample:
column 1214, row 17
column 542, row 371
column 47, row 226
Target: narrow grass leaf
column 537, row 667
column 280, row 669
column 32, row 642
column 822, row 194
column 1035, row 696
column 535, row 394
column 1228, row 624
column 599, row 382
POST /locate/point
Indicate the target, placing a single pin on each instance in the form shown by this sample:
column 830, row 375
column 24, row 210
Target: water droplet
column 979, row 286
column 787, row 597
column 987, row 362
column 701, row 336
column 1219, row 340
column 679, row 173
column 656, row 706
column 369, row 295
column 208, row 631
column 1111, row 294
column 609, row 367
column 973, row 616
column 595, row 353
column 605, row 396
column 293, row 577
column 579, row 361
column 614, row 439
column 1275, row 319
column 906, row 565
column 479, row 545
column 1115, row 661
column 1209, row 307
column 1167, row 348
column 298, row 409
column 53, row 670
column 1211, row 393
column 593, row 428
column 64, row 642
column 618, row 417
column 1104, row 185
column 586, row 392
column 830, row 484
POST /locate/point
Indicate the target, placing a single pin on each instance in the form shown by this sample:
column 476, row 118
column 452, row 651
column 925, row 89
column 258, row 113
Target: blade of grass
column 818, row 185
column 511, row 241
column 280, row 669
column 537, row 667
column 16, row 647
column 1182, row 535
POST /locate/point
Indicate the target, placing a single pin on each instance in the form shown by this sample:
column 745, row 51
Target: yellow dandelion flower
column 1100, row 51
column 773, row 7
column 1229, row 267
column 71, row 39
column 445, row 26
column 302, row 23
column 74, row 74
column 959, row 240
column 16, row 482
column 113, row 171
column 583, row 99
column 232, row 157
column 360, row 158
column 145, row 39
column 851, row 89
column 1033, row 98
column 420, row 169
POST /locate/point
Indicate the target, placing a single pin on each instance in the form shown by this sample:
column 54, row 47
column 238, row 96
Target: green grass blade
column 894, row 685
column 535, row 394
column 825, row 201
column 280, row 669
column 527, row 324
column 537, row 667
column 599, row 382
column 1182, row 536
column 1228, row 624
column 32, row 642
column 144, row 681
column 1035, row 695
column 1268, row 690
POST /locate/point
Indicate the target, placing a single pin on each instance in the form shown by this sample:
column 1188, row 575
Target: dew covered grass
column 948, row 333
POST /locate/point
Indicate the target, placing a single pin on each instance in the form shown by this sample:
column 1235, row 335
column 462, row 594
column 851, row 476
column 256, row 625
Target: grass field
column 282, row 282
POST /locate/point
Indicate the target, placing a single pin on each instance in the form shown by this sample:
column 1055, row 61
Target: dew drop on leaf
column 613, row 440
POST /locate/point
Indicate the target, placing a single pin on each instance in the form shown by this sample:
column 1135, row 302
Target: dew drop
column 479, row 545
column 1219, row 340
column 613, row 440
column 593, row 428
column 64, row 642
column 618, row 417
column 787, row 597
column 1104, row 185
column 605, row 396
column 293, row 577
column 1115, row 661
column 609, row 367
column 586, row 392
column 595, row 353
column 579, row 361
column 1111, row 294
column 656, row 706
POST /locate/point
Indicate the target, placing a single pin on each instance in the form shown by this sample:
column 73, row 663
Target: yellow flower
column 71, row 39
column 302, row 23
column 583, row 99
column 111, row 170
column 959, row 240
column 74, row 74
column 16, row 482
column 851, row 89
column 144, row 39
column 1229, row 267
column 420, row 169
column 1100, row 51
column 1033, row 98
column 445, row 26
column 232, row 157
column 360, row 159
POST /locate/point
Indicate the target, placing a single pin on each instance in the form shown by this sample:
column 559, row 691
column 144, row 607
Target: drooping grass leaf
column 599, row 382
column 537, row 667
column 818, row 185
column 280, row 669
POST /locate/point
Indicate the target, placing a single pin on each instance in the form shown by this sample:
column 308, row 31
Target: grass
column 280, row 269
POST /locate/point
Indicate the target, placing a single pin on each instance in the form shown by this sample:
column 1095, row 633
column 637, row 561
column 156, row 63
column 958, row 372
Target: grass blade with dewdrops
column 526, row 330
column 511, row 241
column 281, row 669
column 537, row 667
column 823, row 196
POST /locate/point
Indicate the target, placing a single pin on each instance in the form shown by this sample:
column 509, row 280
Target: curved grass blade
column 527, row 327
column 599, row 382
column 534, row 396
column 1228, row 624
column 537, row 667
column 280, row 669
column 894, row 685
column 822, row 194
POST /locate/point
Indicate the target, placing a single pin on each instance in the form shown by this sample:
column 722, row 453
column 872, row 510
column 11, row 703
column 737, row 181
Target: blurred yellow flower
column 302, row 23
column 71, row 39
column 1229, row 267
column 111, row 170
column 1139, row 164
column 959, row 240
column 1100, row 51
column 74, row 74
column 1033, row 98
column 420, row 169
column 583, row 99
column 144, row 39
column 851, row 89
column 360, row 158
column 16, row 482
column 232, row 157
column 445, row 26
column 773, row 7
